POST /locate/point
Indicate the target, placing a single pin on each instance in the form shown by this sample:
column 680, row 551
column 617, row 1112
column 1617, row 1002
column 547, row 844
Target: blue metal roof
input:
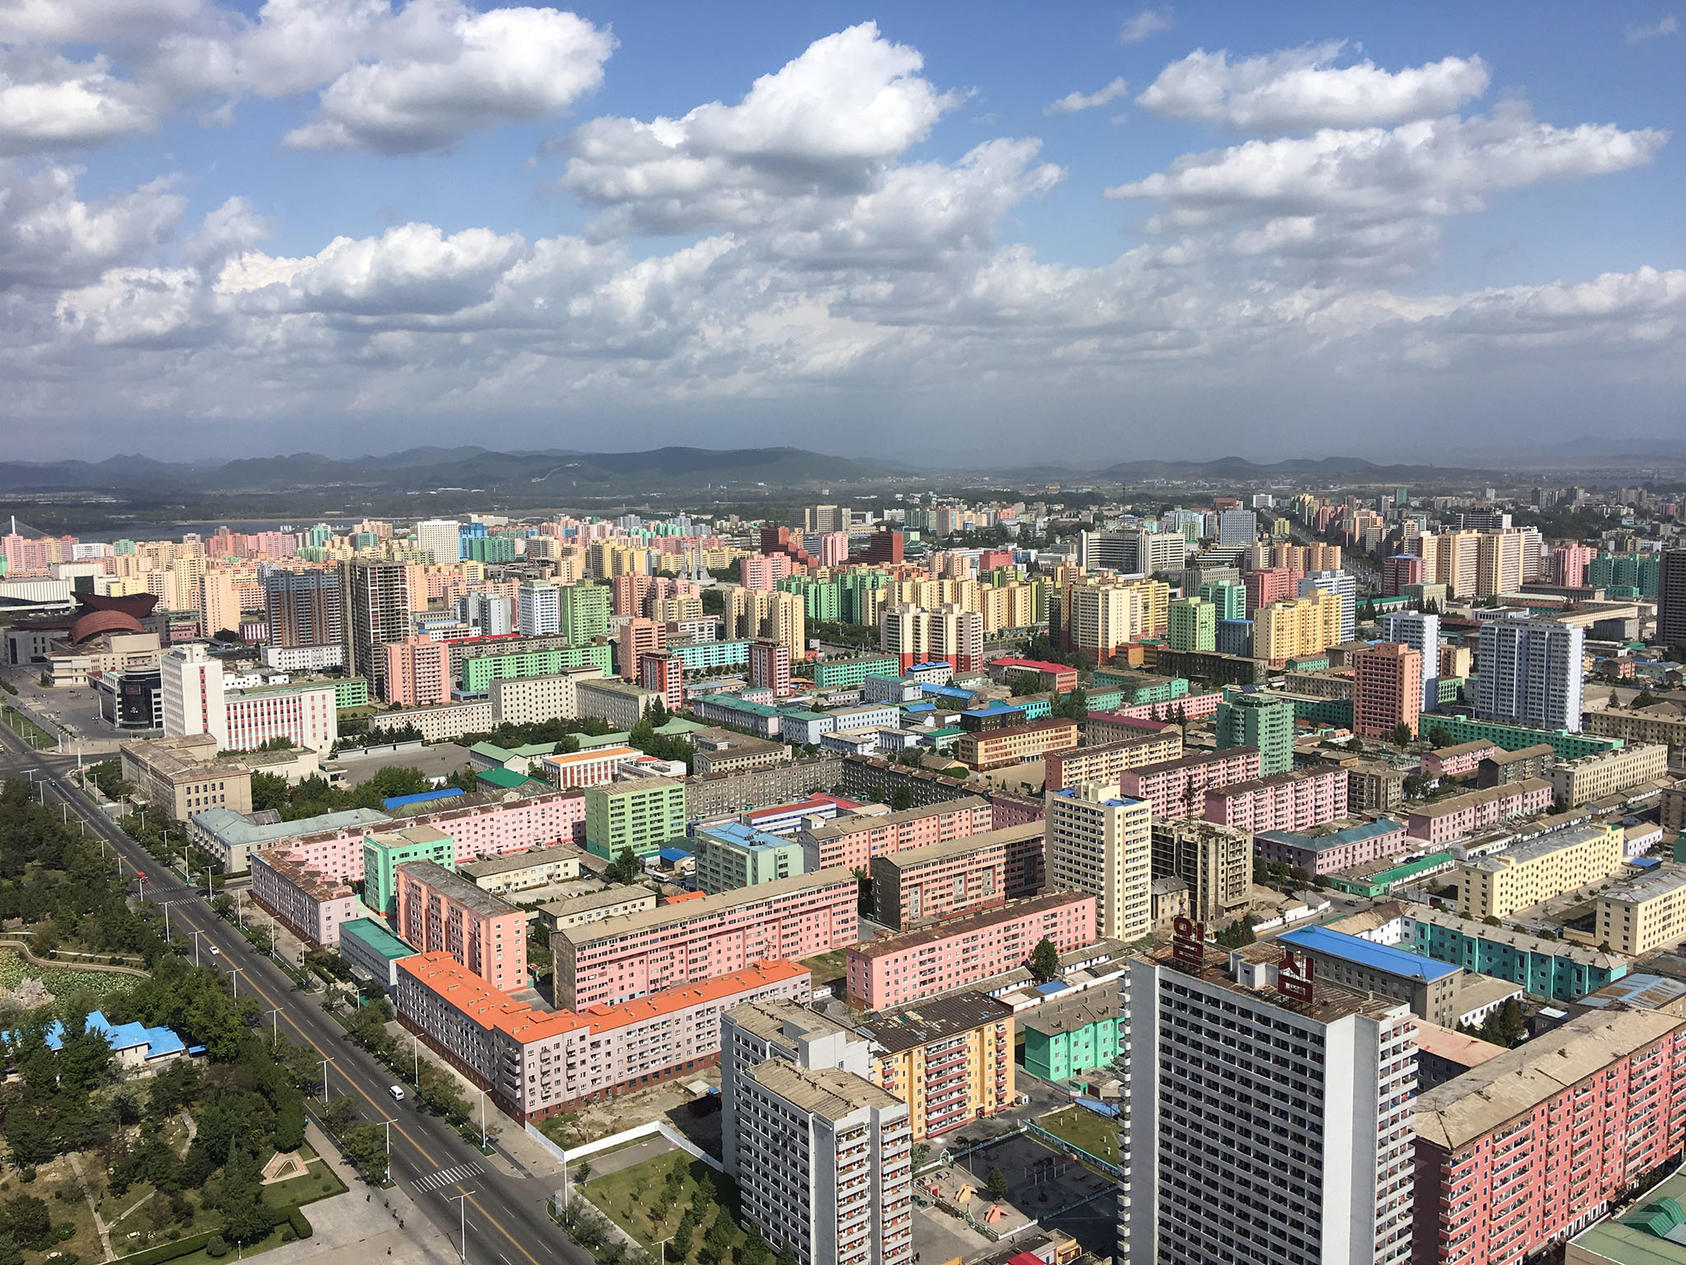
column 1376, row 957
column 153, row 1042
column 674, row 854
column 993, row 709
column 421, row 797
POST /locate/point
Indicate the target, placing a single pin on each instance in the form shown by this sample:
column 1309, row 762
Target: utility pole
column 324, row 1084
column 462, row 1222
column 196, row 935
column 389, row 1151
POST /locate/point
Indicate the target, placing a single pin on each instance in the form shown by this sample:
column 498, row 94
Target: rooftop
column 851, row 825
column 1542, row 846
column 1453, row 1046
column 1400, row 963
column 1486, row 795
column 1094, row 1005
column 706, row 906
column 409, row 836
column 235, row 828
column 828, row 1092
column 616, row 752
column 601, row 899
column 1633, row 891
column 376, row 936
column 642, row 786
column 1512, row 1084
column 507, row 862
column 1319, row 840
column 769, row 1019
column 1192, row 760
column 1535, row 752
column 1653, row 1233
column 457, row 889
column 1329, row 1002
column 737, row 834
column 935, row 1019
column 1461, row 748
column 1519, row 940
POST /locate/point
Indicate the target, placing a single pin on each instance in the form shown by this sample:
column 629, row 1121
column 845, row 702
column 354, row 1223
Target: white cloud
column 48, row 102
column 92, row 21
column 1636, row 34
column 132, row 306
column 49, row 237
column 1145, row 25
column 1072, row 102
column 232, row 228
column 472, row 72
column 828, row 122
column 1433, row 167
column 1301, row 88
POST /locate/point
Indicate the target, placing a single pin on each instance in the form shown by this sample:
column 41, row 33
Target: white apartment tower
column 1421, row 633
column 442, row 538
column 1343, row 586
column 1102, row 842
column 825, row 1164
column 538, row 608
column 191, row 686
column 1268, row 1115
column 486, row 613
column 1530, row 672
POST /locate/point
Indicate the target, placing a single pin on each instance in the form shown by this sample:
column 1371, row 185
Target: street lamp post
column 324, row 1084
column 462, row 1223
column 196, row 935
column 389, row 1152
column 275, row 1029
column 482, row 1122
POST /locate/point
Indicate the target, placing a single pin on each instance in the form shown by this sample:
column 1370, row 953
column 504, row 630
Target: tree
column 684, row 1235
column 901, row 799
column 996, row 1184
column 1238, row 935
column 1022, row 683
column 1506, row 1026
column 1402, row 735
column 1644, row 698
column 1438, row 736
column 28, row 1221
column 719, row 1237
column 582, row 1174
column 365, row 1146
column 625, row 868
column 239, row 1197
column 1045, row 960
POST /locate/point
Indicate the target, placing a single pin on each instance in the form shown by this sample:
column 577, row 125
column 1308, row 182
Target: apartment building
column 1501, row 768
column 852, row 842
column 1268, row 1116
column 618, row 959
column 1547, row 968
column 642, row 816
column 1100, row 841
column 1333, row 847
column 1458, row 760
column 824, row 1164
column 1298, row 627
column 1536, row 1143
column 732, row 855
column 1176, row 788
column 1214, row 862
column 724, row 751
column 418, row 672
column 1500, row 884
column 1428, row 987
column 1387, row 690
column 1015, row 744
column 1661, row 723
column 1108, row 760
column 942, row 880
column 1530, row 672
column 1459, row 816
column 523, row 871
column 898, row 969
column 441, row 912
column 1643, row 913
column 1592, row 777
column 1262, row 721
column 712, row 794
column 595, row 766
column 1297, row 800
column 610, row 902
column 535, row 1063
column 309, row 903
column 950, row 1059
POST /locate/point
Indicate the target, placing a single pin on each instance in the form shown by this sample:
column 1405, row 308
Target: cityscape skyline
column 1153, row 232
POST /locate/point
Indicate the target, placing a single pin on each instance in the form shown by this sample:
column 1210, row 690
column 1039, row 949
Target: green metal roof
column 368, row 932
column 502, row 777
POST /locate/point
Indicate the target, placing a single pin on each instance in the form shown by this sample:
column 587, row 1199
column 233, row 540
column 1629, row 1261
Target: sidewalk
column 354, row 1226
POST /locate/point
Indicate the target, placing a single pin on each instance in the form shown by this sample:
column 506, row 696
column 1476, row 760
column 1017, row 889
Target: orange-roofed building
column 533, row 1063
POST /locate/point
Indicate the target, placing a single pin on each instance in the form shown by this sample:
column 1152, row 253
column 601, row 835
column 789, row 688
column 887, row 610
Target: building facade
column 1100, row 841
column 438, row 911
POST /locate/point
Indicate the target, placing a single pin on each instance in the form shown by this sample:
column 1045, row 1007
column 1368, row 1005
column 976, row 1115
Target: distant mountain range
column 423, row 469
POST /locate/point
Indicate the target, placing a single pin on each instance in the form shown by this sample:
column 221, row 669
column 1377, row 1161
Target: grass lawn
column 826, row 967
column 645, row 1202
column 1085, row 1130
column 319, row 1183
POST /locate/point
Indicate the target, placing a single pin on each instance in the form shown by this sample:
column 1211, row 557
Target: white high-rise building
column 825, row 1164
column 1102, row 842
column 538, row 608
column 1267, row 1116
column 1237, row 527
column 1530, row 672
column 487, row 613
column 779, row 1029
column 192, row 690
column 441, row 537
column 1421, row 633
column 1343, row 586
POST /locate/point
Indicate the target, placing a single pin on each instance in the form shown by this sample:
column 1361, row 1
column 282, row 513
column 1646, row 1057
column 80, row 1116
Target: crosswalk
column 448, row 1176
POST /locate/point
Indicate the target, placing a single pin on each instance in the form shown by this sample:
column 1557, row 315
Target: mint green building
column 1065, row 1039
column 1193, row 624
column 849, row 673
column 732, row 855
column 585, row 612
column 1265, row 721
column 350, row 691
column 1230, row 600
column 385, row 851
column 1547, row 968
column 479, row 672
column 646, row 815
column 821, row 599
column 707, row 656
column 1461, row 729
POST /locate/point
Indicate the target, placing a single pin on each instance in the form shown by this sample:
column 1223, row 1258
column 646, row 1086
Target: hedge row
column 173, row 1250
column 300, row 1223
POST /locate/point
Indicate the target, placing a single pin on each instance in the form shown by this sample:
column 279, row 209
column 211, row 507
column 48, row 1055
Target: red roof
column 96, row 622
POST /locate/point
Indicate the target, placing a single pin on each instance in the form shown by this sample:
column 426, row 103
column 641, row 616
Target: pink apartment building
column 854, row 841
column 418, row 672
column 1296, row 800
column 1176, row 788
column 1194, row 706
column 534, row 1063
column 1330, row 851
column 1462, row 815
column 440, row 912
column 763, row 571
column 478, row 830
column 307, row 901
column 1457, row 761
column 633, row 955
column 943, row 880
column 1535, row 1144
column 1269, row 584
column 1387, row 689
column 893, row 970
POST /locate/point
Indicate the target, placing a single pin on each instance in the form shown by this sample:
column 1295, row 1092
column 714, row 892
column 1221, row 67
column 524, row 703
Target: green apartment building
column 1193, row 624
column 732, row 855
column 645, row 814
column 1229, row 601
column 585, row 612
column 350, row 691
column 478, row 673
column 1258, row 720
column 1065, row 1039
column 1461, row 729
column 850, row 673
column 384, row 852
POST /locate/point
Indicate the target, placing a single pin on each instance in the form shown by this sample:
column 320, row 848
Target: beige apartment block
column 1556, row 862
column 1606, row 773
column 1644, row 913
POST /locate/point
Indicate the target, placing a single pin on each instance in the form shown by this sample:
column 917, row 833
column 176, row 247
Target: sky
column 980, row 234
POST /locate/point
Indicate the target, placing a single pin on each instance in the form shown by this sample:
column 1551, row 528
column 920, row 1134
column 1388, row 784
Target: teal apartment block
column 850, row 673
column 1264, row 721
column 1065, row 1039
column 708, row 656
column 479, row 672
column 1461, row 729
column 385, row 851
column 1547, row 968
